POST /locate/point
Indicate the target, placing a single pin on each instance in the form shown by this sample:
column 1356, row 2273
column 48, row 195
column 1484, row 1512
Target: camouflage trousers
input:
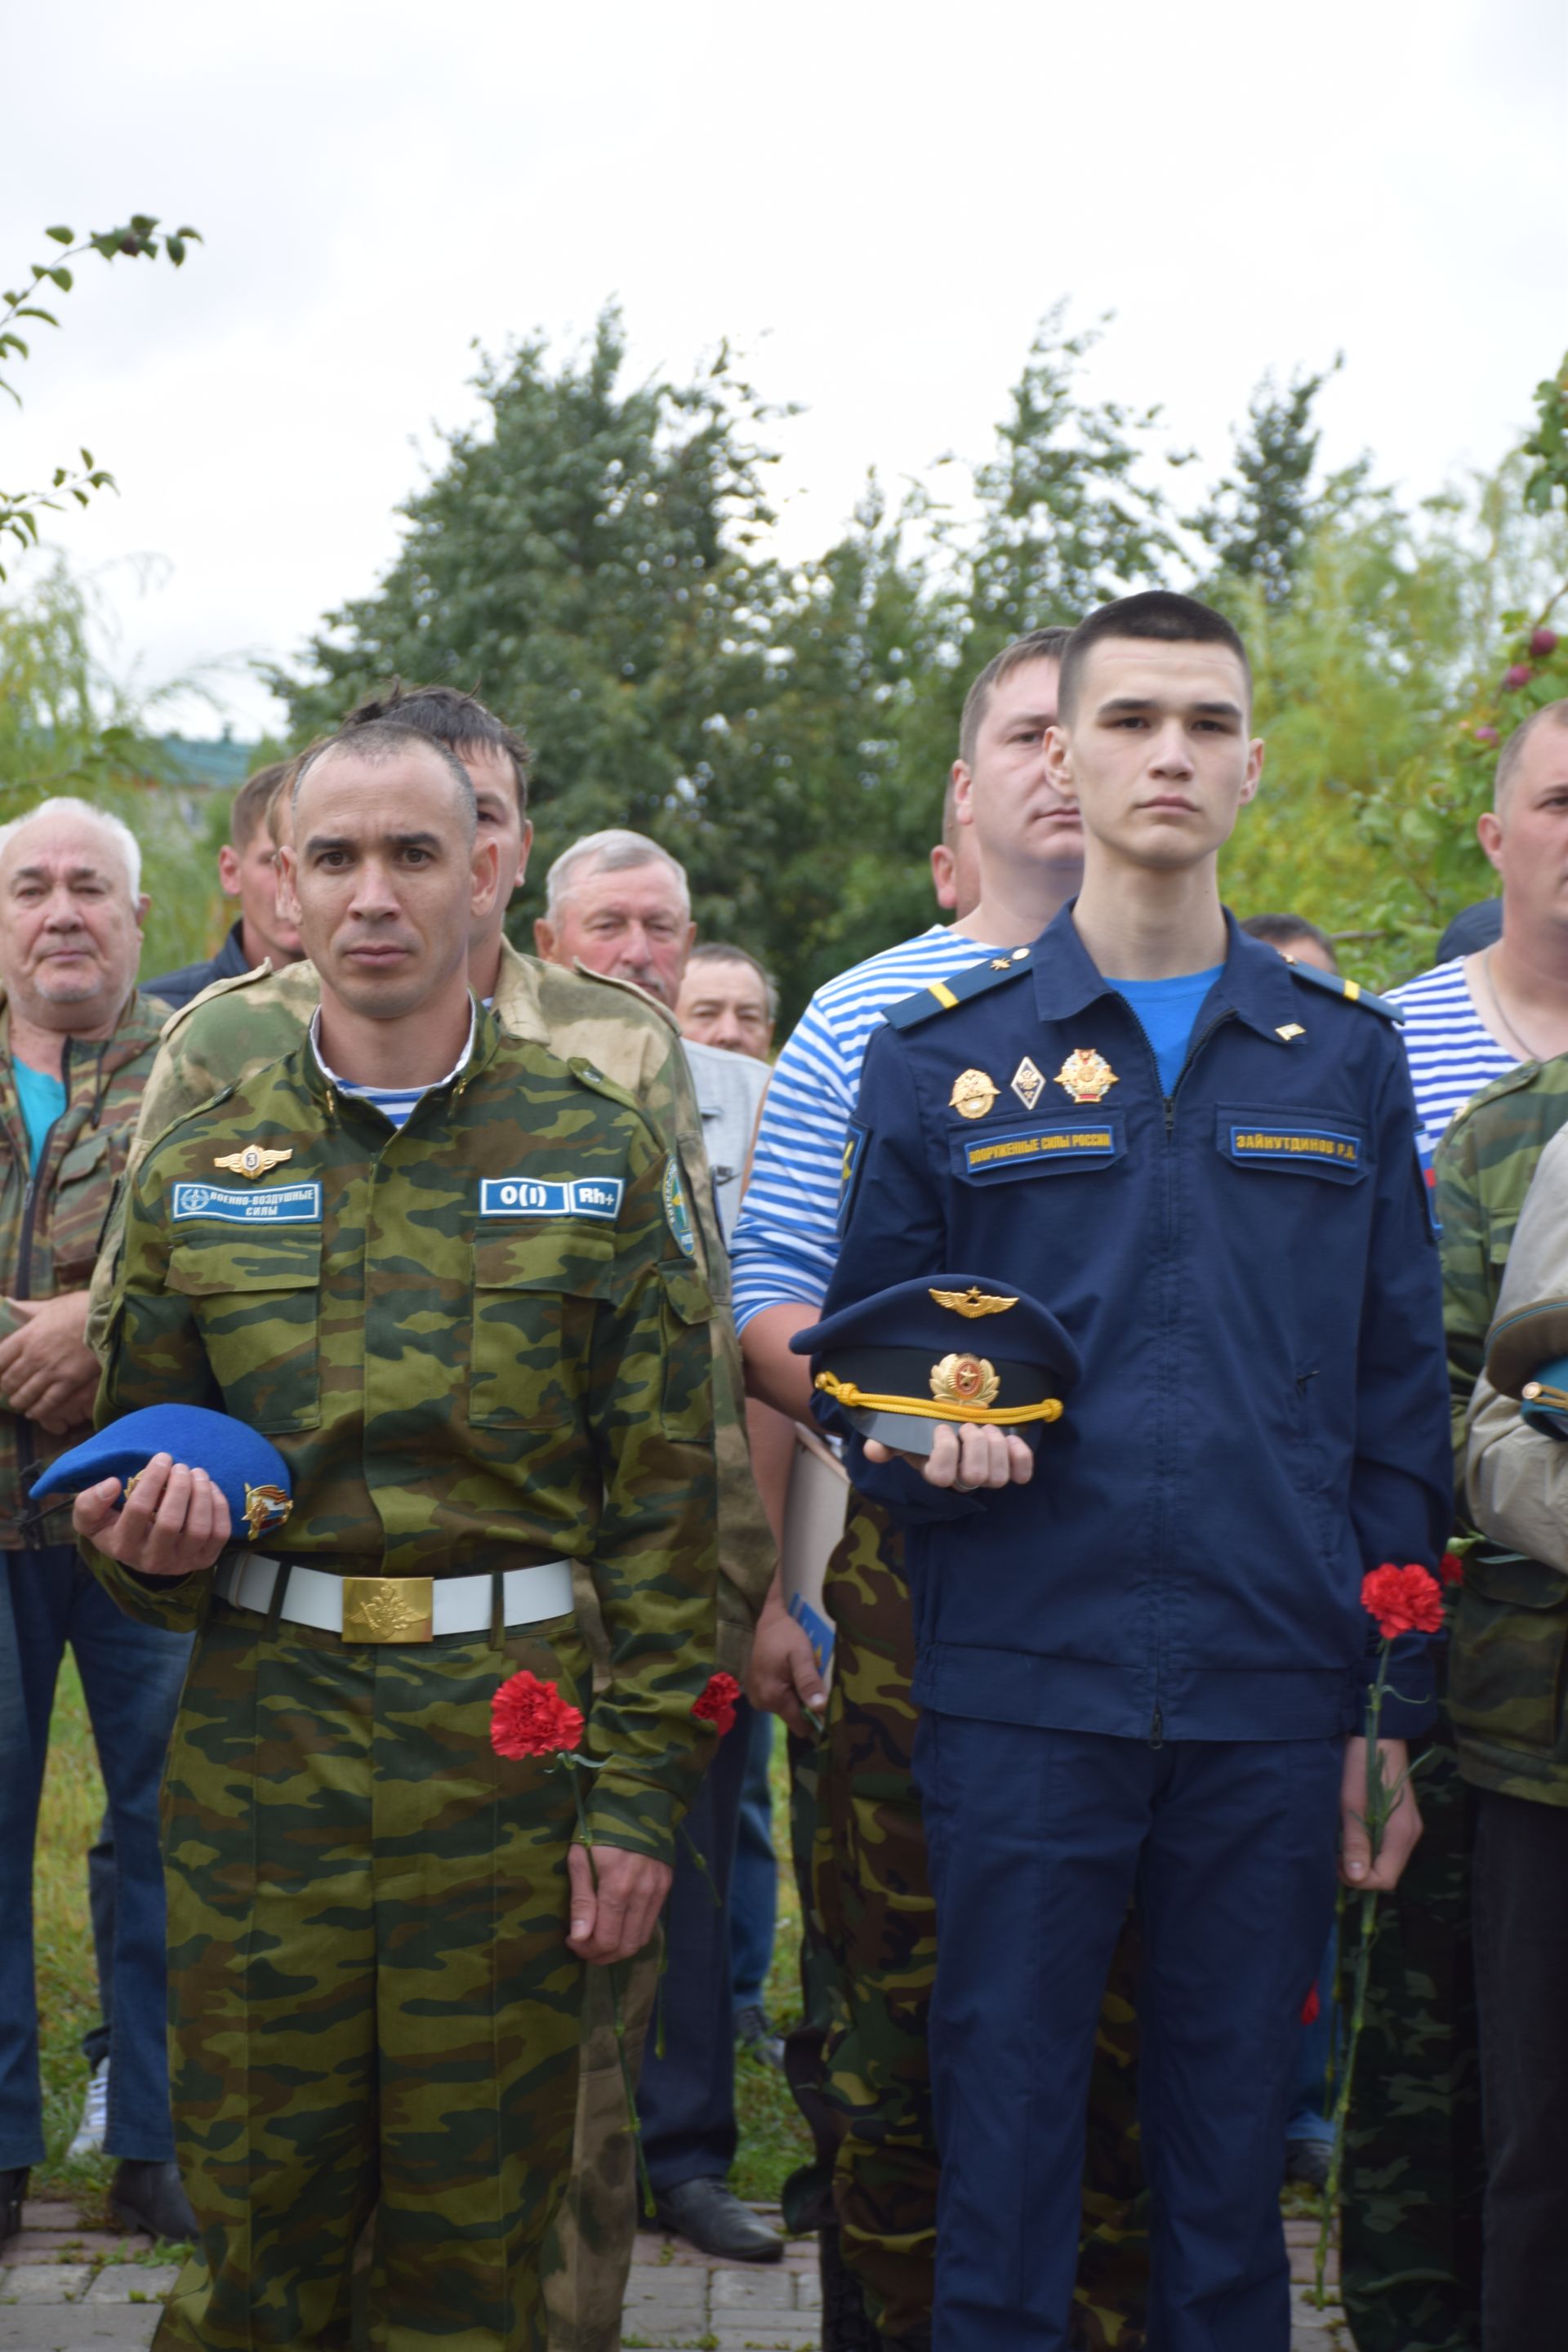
column 1410, row 2212
column 872, row 1892
column 373, row 2007
column 589, row 2254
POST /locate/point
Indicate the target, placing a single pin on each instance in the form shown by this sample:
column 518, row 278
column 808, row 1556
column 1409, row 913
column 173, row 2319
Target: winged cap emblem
column 973, row 1302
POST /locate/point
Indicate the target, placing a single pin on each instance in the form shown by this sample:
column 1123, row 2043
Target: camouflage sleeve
column 166, row 1098
column 747, row 1554
column 152, row 1354
column 654, row 1566
column 1469, row 1289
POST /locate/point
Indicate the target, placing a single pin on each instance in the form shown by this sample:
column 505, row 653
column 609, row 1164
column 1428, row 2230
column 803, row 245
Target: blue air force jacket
column 1249, row 1271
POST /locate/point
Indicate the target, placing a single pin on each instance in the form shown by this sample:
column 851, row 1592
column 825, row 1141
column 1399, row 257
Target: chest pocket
column 78, row 1210
column 257, row 1301
column 1293, row 1142
column 534, row 1296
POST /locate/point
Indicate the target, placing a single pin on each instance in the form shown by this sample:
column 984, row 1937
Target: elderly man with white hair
column 76, row 1044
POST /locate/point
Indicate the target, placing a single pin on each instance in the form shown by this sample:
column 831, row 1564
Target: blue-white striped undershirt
column 786, row 1237
column 1452, row 1054
column 396, row 1104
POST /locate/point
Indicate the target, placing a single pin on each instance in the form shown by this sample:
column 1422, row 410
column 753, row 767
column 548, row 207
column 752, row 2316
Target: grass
column 773, row 2139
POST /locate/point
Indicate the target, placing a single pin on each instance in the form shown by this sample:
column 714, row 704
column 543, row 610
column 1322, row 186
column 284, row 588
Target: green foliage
column 66, row 728
column 20, row 510
column 1258, row 521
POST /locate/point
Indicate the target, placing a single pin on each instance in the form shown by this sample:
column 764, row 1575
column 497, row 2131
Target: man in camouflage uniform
column 466, row 1312
column 238, row 1026
column 76, row 1042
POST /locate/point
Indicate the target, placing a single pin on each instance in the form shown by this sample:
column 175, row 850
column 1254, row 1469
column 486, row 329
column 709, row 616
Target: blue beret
column 252, row 1475
column 1545, row 1398
column 950, row 1347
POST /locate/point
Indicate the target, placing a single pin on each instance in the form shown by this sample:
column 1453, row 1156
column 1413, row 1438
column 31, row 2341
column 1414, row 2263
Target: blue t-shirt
column 1167, row 1010
column 43, row 1098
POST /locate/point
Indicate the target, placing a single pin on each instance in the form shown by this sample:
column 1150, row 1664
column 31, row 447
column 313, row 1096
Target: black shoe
column 846, row 2324
column 12, row 2188
column 754, row 2032
column 1307, row 2162
column 150, row 2197
column 712, row 2218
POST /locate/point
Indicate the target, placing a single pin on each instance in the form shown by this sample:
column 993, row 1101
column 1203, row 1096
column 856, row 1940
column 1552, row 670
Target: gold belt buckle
column 388, row 1609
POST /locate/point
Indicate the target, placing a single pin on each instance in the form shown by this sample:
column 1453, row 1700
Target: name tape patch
column 1055, row 1143
column 281, row 1205
column 529, row 1196
column 1317, row 1147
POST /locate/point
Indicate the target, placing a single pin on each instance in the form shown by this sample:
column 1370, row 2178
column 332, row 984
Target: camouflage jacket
column 239, row 1025
column 51, row 1226
column 1508, row 1659
column 478, row 1342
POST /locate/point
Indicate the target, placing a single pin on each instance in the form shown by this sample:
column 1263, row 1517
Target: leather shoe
column 712, row 2218
column 12, row 2188
column 151, row 2197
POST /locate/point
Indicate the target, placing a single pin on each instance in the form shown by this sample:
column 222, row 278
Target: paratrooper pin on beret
column 950, row 1348
column 251, row 1473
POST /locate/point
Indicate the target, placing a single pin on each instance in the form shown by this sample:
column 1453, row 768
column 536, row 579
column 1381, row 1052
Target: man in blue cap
column 1142, row 1655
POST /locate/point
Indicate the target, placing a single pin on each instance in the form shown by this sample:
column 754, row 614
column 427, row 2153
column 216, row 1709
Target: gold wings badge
column 254, row 1160
column 973, row 1302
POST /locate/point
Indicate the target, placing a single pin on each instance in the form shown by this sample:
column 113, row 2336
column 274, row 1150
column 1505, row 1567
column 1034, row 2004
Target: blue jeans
column 754, row 1888
column 131, row 1677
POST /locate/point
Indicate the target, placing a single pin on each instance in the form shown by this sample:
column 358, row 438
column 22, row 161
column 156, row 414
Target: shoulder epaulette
column 590, row 1074
column 227, row 987
column 942, row 996
column 1351, row 990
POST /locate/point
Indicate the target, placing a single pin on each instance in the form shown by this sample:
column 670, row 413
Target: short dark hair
column 377, row 740
column 1041, row 645
column 447, row 716
column 1279, row 930
column 255, row 797
column 716, row 952
column 1555, row 714
column 1157, row 614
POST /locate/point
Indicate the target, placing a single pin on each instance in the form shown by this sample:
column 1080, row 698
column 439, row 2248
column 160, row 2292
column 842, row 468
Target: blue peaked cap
column 251, row 1472
column 945, row 1348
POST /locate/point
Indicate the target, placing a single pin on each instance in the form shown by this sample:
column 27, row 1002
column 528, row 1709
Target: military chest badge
column 1087, row 1076
column 265, row 1508
column 973, row 1094
column 965, row 1379
column 1027, row 1083
column 254, row 1160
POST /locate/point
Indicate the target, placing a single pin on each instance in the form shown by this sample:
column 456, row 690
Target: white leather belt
column 396, row 1608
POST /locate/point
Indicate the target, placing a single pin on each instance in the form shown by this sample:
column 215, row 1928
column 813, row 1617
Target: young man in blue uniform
column 1142, row 1659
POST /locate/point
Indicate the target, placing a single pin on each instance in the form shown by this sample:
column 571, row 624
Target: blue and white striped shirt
column 1452, row 1054
column 785, row 1241
column 396, row 1104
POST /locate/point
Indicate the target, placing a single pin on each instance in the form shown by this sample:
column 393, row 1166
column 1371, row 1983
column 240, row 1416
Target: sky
column 875, row 203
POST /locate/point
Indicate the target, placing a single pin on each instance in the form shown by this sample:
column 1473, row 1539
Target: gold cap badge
column 965, row 1379
column 972, row 1302
column 973, row 1094
column 1087, row 1076
column 254, row 1160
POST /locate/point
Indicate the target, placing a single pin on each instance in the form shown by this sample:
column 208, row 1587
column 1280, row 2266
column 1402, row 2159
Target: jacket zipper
column 1194, row 1047
column 26, row 1448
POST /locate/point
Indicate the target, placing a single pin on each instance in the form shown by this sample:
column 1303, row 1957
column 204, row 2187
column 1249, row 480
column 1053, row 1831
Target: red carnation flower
column 529, row 1717
column 1451, row 1568
column 717, row 1703
column 1403, row 1601
column 1311, row 2007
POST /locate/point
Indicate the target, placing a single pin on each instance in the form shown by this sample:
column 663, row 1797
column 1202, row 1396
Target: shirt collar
column 1254, row 981
column 355, row 1087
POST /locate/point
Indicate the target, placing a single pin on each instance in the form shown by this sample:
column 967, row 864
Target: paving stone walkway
column 66, row 2288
